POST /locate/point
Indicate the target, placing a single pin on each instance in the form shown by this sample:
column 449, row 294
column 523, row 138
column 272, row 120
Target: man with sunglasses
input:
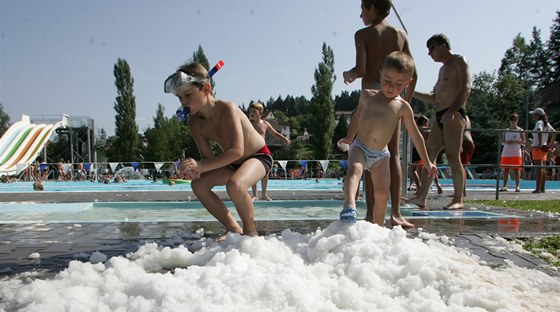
column 449, row 98
column 244, row 160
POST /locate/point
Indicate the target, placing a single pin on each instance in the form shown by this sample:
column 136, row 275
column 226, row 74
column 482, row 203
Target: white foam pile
column 361, row 267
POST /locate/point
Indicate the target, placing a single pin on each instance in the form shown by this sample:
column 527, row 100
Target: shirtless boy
column 377, row 115
column 373, row 43
column 262, row 126
column 449, row 98
column 244, row 159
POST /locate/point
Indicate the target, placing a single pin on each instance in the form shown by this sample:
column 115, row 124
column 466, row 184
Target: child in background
column 262, row 126
column 423, row 124
column 512, row 153
column 377, row 115
column 244, row 160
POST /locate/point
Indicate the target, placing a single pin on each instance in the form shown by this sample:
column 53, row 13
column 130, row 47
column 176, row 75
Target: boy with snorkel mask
column 244, row 160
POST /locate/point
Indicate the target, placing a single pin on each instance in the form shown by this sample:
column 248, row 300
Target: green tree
column 168, row 139
column 340, row 131
column 553, row 46
column 516, row 61
column 539, row 61
column 200, row 58
column 480, row 109
column 321, row 109
column 4, row 120
column 125, row 147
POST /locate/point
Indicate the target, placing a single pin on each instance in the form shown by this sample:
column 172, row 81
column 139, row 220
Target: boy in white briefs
column 377, row 114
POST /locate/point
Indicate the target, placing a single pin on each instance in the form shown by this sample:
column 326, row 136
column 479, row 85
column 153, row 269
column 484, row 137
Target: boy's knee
column 234, row 185
column 198, row 185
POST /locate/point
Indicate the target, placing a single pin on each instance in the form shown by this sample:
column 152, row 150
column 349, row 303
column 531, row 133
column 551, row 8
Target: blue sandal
column 348, row 215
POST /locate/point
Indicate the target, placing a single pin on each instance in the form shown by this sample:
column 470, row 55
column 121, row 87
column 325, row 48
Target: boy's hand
column 433, row 170
column 190, row 169
column 343, row 144
column 347, row 78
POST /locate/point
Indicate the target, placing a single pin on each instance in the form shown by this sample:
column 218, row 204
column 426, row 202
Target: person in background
column 529, row 171
column 38, row 186
column 415, row 170
column 540, row 147
column 512, row 152
column 262, row 126
column 449, row 98
column 467, row 151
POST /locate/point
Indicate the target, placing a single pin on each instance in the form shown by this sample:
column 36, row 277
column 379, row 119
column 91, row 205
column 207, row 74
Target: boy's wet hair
column 438, row 39
column 400, row 61
column 257, row 105
column 195, row 70
column 383, row 7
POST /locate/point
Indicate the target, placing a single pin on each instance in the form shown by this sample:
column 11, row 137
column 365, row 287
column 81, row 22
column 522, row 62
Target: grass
column 541, row 205
column 546, row 248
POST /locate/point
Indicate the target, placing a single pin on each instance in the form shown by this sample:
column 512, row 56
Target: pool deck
column 60, row 243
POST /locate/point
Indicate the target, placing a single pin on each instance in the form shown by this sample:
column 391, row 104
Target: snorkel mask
column 173, row 82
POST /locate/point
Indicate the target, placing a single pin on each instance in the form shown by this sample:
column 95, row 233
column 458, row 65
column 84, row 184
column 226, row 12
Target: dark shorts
column 263, row 155
column 439, row 115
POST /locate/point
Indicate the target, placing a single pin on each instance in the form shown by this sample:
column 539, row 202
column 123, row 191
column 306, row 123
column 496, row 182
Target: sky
column 57, row 57
column 362, row 267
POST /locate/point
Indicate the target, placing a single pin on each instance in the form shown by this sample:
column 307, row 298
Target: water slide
column 22, row 142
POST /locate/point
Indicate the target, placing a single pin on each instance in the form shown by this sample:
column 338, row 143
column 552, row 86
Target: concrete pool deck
column 60, row 243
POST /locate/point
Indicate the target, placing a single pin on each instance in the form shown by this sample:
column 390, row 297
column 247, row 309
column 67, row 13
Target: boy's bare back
column 373, row 43
column 378, row 118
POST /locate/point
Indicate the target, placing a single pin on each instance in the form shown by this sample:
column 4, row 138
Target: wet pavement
column 59, row 243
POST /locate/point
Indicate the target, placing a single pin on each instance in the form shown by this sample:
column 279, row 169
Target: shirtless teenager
column 244, row 159
column 449, row 98
column 262, row 126
column 373, row 43
column 377, row 115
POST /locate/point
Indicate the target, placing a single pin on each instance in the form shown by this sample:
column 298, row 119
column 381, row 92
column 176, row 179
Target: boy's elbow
column 359, row 72
column 238, row 153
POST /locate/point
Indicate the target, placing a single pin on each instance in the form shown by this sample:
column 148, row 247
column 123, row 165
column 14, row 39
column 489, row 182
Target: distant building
column 339, row 114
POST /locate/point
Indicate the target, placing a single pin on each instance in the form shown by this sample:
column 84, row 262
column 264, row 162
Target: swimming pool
column 282, row 185
column 148, row 185
column 194, row 211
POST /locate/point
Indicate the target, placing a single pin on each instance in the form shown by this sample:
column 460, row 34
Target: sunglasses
column 173, row 82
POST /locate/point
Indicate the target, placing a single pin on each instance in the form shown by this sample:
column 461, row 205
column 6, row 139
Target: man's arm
column 464, row 82
column 270, row 128
column 360, row 68
column 429, row 98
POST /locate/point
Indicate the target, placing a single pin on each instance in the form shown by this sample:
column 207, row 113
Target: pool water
column 148, row 185
column 194, row 211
